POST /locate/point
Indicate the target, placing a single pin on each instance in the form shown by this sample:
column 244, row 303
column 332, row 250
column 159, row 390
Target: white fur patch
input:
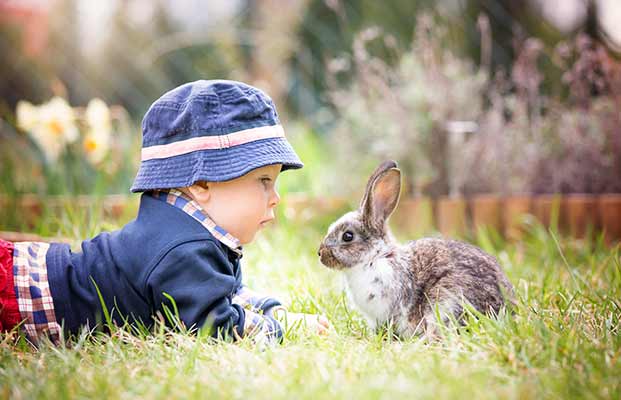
column 371, row 287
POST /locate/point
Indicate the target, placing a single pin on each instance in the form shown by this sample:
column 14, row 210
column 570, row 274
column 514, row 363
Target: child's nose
column 275, row 199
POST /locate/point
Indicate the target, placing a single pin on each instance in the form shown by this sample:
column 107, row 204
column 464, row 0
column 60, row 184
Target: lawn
column 562, row 342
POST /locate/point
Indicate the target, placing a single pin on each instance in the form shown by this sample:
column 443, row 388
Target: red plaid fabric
column 9, row 310
column 33, row 291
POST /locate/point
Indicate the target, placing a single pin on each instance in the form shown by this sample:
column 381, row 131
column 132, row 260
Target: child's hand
column 309, row 322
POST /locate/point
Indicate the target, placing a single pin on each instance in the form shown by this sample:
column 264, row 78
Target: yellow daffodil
column 51, row 125
column 98, row 138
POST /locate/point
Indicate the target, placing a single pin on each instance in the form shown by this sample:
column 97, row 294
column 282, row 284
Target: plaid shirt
column 262, row 327
column 192, row 208
column 32, row 290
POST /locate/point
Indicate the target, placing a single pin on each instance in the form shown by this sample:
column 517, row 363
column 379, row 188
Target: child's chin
column 247, row 238
column 251, row 236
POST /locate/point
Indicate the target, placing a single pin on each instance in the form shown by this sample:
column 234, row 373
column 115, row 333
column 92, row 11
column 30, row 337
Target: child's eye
column 266, row 181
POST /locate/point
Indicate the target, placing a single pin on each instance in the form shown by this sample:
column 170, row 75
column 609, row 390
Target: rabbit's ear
column 382, row 199
column 383, row 167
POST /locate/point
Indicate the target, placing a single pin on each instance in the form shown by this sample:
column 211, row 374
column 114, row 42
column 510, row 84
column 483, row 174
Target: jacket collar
column 178, row 199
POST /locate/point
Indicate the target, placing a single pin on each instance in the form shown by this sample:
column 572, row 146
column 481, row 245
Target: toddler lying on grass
column 212, row 151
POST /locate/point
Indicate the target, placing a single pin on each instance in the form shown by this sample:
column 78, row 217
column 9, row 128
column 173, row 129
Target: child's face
column 243, row 205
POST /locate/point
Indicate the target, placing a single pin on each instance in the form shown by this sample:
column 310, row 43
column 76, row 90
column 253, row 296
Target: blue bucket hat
column 211, row 131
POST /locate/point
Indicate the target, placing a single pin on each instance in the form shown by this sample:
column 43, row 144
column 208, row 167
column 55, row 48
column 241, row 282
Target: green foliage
column 328, row 31
column 318, row 173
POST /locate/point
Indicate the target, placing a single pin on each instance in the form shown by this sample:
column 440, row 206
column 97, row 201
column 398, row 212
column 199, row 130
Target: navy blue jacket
column 164, row 250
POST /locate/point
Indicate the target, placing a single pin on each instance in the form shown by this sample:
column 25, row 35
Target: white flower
column 27, row 115
column 96, row 146
column 51, row 125
column 98, row 139
column 98, row 115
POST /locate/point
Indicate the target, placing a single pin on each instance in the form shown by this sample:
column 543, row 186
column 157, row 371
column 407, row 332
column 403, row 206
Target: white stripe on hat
column 212, row 142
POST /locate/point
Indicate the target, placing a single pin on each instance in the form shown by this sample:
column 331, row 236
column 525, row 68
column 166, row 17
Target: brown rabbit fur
column 409, row 284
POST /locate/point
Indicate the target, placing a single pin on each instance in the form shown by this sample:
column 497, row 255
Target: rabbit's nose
column 321, row 247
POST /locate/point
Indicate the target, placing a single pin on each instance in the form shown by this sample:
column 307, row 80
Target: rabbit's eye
column 348, row 236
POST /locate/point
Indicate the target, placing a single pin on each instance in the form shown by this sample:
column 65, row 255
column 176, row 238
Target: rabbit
column 413, row 286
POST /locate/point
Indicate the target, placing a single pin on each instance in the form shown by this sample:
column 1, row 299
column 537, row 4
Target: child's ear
column 200, row 192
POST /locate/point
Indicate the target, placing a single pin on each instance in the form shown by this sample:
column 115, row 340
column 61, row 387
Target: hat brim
column 214, row 165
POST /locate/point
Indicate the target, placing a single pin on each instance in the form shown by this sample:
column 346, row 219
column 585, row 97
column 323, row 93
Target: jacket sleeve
column 251, row 300
column 259, row 321
column 201, row 281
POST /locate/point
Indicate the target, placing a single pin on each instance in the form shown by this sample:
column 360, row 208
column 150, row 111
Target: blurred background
column 487, row 98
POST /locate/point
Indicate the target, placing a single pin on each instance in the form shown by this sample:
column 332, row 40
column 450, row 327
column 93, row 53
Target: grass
column 563, row 341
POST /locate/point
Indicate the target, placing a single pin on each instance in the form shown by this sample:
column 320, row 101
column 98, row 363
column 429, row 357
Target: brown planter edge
column 485, row 211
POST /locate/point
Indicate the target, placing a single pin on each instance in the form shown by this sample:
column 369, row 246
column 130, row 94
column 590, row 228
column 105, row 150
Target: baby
column 212, row 152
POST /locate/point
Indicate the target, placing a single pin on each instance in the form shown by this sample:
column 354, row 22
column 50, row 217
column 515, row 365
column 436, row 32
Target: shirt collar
column 186, row 204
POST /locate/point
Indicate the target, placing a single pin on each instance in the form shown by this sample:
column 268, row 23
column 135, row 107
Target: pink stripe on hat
column 212, row 142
